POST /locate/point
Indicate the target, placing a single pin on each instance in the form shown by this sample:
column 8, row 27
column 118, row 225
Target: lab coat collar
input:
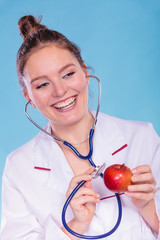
column 110, row 132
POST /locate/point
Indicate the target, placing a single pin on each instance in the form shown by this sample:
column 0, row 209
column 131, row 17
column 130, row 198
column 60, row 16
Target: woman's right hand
column 83, row 203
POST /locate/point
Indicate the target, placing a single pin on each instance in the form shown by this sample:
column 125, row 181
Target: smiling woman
column 39, row 175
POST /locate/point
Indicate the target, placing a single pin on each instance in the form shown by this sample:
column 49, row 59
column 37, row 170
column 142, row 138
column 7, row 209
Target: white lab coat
column 37, row 175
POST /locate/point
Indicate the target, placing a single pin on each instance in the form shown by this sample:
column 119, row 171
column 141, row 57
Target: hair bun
column 29, row 24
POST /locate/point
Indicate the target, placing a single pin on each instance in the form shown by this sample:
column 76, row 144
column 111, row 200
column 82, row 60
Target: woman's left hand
column 143, row 186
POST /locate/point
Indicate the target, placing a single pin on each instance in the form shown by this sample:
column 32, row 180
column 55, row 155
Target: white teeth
column 66, row 104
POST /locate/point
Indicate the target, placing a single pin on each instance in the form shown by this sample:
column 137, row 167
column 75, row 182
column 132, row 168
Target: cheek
column 80, row 84
column 40, row 98
column 84, row 88
column 39, row 101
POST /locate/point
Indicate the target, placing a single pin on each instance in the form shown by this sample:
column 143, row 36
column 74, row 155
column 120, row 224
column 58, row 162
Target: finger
column 85, row 176
column 141, row 169
column 90, row 170
column 146, row 188
column 79, row 203
column 86, row 191
column 144, row 177
column 140, row 195
column 79, row 178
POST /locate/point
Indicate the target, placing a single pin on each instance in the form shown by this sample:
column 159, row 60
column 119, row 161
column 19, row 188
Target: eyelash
column 42, row 85
column 68, row 74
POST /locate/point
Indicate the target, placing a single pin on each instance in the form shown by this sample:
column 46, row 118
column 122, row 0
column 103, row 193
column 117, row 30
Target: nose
column 60, row 88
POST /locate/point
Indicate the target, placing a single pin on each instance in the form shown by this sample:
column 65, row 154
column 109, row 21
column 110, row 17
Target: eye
column 42, row 85
column 68, row 74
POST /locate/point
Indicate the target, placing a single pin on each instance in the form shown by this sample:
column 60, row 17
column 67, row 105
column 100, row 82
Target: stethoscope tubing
column 87, row 157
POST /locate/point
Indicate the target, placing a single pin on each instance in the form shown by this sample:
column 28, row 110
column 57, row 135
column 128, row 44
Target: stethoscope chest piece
column 98, row 170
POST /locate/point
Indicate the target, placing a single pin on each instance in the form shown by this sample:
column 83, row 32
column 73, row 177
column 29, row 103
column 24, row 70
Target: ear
column 85, row 69
column 25, row 94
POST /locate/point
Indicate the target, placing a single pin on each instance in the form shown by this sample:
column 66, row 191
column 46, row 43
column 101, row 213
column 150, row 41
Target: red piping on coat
column 41, row 168
column 124, row 146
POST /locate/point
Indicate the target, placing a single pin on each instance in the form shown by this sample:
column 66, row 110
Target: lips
column 65, row 104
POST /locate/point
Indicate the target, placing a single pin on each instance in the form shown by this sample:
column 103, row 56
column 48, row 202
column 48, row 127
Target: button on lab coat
column 37, row 176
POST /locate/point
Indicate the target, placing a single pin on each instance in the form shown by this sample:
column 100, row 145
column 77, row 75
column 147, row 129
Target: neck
column 76, row 133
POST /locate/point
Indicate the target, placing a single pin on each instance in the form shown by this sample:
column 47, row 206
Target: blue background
column 120, row 39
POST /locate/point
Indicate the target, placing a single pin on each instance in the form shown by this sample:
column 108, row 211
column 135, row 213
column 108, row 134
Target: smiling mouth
column 67, row 104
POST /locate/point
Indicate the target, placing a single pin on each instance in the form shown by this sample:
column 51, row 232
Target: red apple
column 117, row 178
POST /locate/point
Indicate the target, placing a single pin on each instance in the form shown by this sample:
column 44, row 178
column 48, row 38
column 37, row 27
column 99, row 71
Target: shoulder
column 26, row 149
column 123, row 124
column 129, row 128
column 17, row 158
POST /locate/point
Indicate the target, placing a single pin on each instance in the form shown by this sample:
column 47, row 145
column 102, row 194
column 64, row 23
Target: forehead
column 50, row 52
column 50, row 57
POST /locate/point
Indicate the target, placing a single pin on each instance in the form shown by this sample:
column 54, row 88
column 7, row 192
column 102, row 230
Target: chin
column 71, row 121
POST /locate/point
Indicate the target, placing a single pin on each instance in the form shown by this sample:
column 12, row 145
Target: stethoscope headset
column 97, row 172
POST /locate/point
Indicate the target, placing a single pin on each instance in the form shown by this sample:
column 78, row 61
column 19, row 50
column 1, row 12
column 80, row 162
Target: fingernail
column 91, row 167
column 134, row 171
column 89, row 176
column 134, row 178
column 130, row 188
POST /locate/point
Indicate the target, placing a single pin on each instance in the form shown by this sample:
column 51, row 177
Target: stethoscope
column 97, row 172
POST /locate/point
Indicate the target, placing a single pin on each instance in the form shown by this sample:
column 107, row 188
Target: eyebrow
column 60, row 70
column 66, row 66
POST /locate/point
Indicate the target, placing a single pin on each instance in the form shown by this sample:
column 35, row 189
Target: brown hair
column 36, row 35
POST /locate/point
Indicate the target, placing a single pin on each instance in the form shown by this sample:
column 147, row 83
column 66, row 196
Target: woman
column 39, row 175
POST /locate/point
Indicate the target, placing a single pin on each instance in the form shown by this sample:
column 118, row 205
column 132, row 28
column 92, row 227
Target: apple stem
column 122, row 165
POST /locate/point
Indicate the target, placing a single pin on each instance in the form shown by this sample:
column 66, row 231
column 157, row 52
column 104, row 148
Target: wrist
column 147, row 206
column 149, row 214
column 76, row 226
